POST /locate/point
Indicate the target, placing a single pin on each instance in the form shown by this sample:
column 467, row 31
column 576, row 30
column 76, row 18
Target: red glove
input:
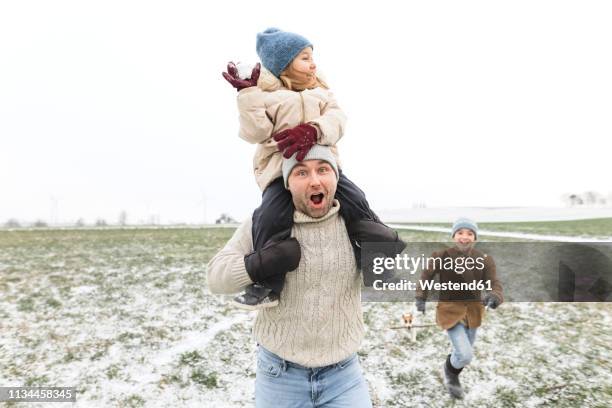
column 232, row 77
column 298, row 139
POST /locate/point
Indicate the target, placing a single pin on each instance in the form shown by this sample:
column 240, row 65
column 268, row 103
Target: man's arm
column 226, row 272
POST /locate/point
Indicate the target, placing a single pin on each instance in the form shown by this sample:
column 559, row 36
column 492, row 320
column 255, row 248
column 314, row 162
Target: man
column 308, row 343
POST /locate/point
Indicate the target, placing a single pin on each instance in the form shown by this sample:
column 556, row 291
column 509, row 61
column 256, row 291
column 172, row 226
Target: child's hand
column 299, row 139
column 491, row 301
column 234, row 79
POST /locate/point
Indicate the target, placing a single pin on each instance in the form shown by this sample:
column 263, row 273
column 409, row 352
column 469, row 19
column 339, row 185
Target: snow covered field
column 125, row 316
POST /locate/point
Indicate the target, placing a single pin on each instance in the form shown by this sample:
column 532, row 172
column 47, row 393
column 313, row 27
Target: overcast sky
column 120, row 105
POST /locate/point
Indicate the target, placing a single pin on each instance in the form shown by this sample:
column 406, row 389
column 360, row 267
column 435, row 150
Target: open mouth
column 317, row 199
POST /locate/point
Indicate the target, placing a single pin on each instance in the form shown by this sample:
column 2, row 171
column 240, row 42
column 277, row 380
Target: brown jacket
column 460, row 305
column 269, row 108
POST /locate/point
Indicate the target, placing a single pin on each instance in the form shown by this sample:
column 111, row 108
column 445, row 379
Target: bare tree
column 123, row 218
column 575, row 200
column 601, row 200
column 79, row 223
column 12, row 223
column 586, row 198
column 225, row 219
column 591, row 197
column 101, row 222
column 40, row 224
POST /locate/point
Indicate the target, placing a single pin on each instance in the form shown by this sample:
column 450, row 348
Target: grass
column 191, row 358
column 125, row 316
column 200, row 376
column 600, row 227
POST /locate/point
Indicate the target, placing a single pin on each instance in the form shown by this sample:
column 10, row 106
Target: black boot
column 451, row 379
column 256, row 297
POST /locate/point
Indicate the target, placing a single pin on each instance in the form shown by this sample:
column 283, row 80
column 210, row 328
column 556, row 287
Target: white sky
column 120, row 105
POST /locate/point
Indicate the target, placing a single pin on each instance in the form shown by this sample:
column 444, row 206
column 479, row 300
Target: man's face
column 312, row 184
column 464, row 239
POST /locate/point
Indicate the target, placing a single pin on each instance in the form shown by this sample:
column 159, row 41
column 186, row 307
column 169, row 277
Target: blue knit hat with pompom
column 277, row 48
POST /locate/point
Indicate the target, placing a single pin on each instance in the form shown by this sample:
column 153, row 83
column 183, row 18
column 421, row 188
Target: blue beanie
column 465, row 223
column 277, row 48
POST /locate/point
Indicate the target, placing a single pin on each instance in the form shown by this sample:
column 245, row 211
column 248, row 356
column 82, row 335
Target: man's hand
column 275, row 258
column 232, row 77
column 420, row 305
column 298, row 139
column 491, row 300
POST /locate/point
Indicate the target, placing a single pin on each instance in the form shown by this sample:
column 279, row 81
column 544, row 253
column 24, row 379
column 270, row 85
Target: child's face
column 304, row 63
column 464, row 238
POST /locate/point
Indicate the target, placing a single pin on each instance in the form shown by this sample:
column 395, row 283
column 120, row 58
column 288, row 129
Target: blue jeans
column 280, row 383
column 462, row 340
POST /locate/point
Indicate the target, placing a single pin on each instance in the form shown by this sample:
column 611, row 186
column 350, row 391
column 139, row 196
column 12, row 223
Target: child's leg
column 462, row 340
column 274, row 216
column 353, row 203
column 354, row 208
column 472, row 337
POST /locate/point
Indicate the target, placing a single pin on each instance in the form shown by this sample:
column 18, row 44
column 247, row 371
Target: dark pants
column 275, row 216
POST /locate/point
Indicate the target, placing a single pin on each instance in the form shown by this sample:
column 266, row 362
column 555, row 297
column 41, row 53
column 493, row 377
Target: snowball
column 244, row 69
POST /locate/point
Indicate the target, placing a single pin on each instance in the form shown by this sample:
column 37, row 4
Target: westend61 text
column 431, row 285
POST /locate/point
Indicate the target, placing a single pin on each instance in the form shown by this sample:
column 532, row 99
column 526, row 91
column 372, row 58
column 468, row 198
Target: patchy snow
column 198, row 339
column 84, row 289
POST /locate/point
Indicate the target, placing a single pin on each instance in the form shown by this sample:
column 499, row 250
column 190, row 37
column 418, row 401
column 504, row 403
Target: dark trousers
column 275, row 216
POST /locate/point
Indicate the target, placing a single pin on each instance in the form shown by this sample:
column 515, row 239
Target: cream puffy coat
column 269, row 108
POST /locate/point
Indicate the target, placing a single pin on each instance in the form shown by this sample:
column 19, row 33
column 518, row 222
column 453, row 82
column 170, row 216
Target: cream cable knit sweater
column 318, row 320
